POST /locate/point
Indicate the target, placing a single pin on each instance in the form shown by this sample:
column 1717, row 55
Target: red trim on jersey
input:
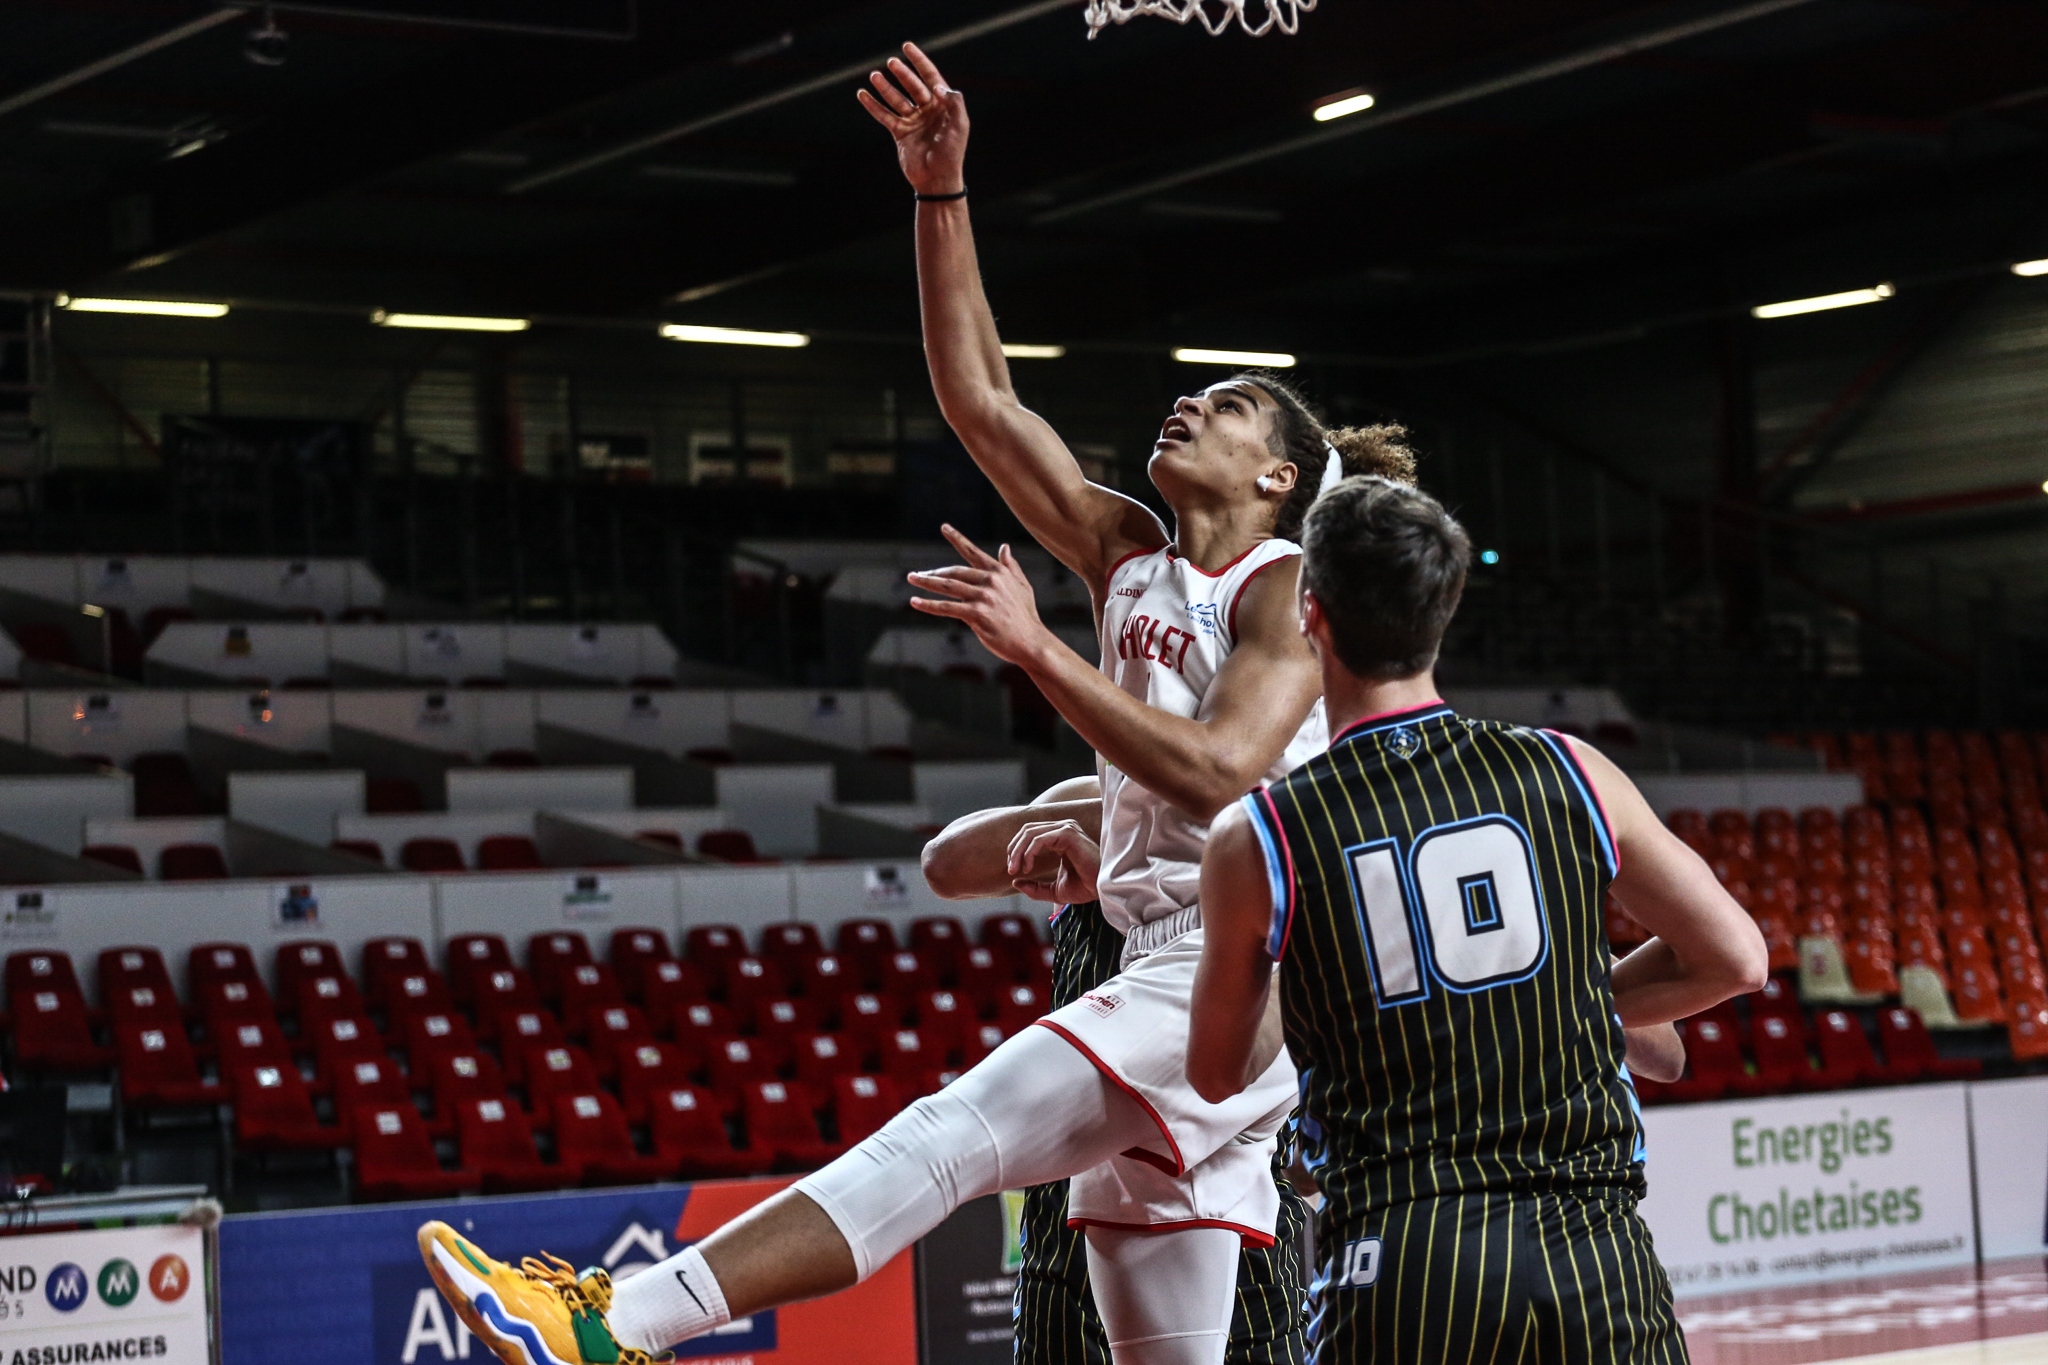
column 1172, row 554
column 1252, row 1237
column 1179, row 1167
column 1379, row 716
column 1110, row 577
column 1249, row 579
column 1564, row 743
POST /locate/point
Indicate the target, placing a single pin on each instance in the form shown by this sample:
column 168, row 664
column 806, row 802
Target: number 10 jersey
column 1437, row 891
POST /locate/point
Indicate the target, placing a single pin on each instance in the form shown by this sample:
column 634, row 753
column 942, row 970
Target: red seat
column 551, row 957
column 779, row 1121
column 455, row 1079
column 251, row 1042
column 327, row 997
column 821, row 1058
column 1012, row 936
column 415, row 994
column 982, row 979
column 750, row 980
column 303, row 958
column 133, row 965
column 395, row 1157
column 361, row 848
column 115, row 855
column 822, row 977
column 586, row 989
column 728, row 846
column 158, row 1068
column 370, row 1081
column 471, row 959
column 386, row 960
column 668, row 988
column 432, row 855
column 1018, row 1007
column 908, row 975
column 1909, row 1047
column 940, row 940
column 790, row 945
column 711, row 946
column 945, row 1022
column 508, row 853
column 552, row 1072
column 506, row 990
column 429, row 1036
column 733, row 1064
column 783, row 1019
column 690, row 1136
column 53, row 1030
column 191, row 863
column 147, row 1007
column 1782, row 1061
column 647, row 1070
column 908, row 1060
column 633, row 954
column 274, row 1110
column 864, row 944
column 342, row 1041
column 219, row 962
column 591, row 1136
column 701, row 1027
column 862, row 1104
column 865, row 1017
column 497, row 1143
column 1845, row 1050
column 45, row 970
column 613, row 1032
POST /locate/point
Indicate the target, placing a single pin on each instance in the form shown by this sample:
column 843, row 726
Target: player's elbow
column 1213, row 1083
column 1742, row 965
column 949, row 868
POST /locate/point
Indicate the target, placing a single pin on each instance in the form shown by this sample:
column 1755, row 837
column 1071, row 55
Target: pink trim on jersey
column 1171, row 553
column 1265, row 794
column 1249, row 579
column 1252, row 1237
column 1179, row 1167
column 1378, row 716
column 1564, row 742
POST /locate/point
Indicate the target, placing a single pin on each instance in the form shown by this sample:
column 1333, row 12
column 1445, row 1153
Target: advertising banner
column 346, row 1286
column 119, row 1294
column 1792, row 1190
column 2009, row 1142
column 966, row 1276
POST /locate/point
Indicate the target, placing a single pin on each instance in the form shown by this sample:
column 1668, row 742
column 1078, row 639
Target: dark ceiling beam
column 1536, row 73
column 116, row 60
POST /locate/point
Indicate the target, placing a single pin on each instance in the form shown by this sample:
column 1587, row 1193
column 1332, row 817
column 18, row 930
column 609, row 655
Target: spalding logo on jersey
column 1358, row 1265
column 1403, row 743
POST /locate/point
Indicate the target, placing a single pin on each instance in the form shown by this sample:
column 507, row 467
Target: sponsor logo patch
column 1102, row 1004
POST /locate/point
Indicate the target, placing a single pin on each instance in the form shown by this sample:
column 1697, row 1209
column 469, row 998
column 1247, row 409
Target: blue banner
column 346, row 1286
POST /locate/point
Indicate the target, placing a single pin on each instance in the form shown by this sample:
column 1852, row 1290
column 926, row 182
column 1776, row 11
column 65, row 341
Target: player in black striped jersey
column 1431, row 891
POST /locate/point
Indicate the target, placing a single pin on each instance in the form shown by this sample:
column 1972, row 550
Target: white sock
column 667, row 1304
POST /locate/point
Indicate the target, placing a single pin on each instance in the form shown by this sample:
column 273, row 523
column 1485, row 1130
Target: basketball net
column 1284, row 15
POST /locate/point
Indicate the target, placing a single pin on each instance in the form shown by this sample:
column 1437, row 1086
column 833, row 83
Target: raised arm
column 1086, row 527
column 1706, row 947
column 1235, row 1032
column 1256, row 704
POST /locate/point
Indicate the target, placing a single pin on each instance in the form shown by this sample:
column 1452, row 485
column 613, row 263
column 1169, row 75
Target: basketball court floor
column 1996, row 1315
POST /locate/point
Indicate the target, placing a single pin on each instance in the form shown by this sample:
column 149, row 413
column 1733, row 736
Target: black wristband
column 941, row 198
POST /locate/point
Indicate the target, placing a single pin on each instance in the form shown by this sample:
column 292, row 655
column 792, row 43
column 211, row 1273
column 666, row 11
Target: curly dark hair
column 1299, row 437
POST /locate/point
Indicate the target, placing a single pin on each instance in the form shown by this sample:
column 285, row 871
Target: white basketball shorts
column 1212, row 1163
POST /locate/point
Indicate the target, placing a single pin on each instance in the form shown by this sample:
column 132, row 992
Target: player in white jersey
column 1205, row 687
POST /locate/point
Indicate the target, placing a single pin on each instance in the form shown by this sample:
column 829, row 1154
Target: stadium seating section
column 544, row 1064
column 1928, row 904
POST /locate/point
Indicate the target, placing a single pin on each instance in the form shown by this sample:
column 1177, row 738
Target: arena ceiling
column 1532, row 171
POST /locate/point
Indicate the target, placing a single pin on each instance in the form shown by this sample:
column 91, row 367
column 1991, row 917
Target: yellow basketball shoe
column 539, row 1312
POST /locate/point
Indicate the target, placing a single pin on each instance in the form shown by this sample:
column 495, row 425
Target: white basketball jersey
column 1167, row 627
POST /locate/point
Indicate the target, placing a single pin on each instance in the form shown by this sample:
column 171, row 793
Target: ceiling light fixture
column 1020, row 350
column 1337, row 106
column 449, row 322
column 1821, row 303
column 1203, row 355
column 2029, row 269
column 731, row 336
column 162, row 308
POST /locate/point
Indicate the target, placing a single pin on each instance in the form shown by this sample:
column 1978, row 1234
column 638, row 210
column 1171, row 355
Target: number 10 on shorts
column 1358, row 1265
column 1465, row 911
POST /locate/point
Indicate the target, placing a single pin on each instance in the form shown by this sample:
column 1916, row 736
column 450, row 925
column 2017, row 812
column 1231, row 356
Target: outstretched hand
column 990, row 595
column 927, row 117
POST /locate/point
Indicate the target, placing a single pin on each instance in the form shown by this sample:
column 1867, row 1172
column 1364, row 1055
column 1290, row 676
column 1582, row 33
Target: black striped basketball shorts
column 1496, row 1278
